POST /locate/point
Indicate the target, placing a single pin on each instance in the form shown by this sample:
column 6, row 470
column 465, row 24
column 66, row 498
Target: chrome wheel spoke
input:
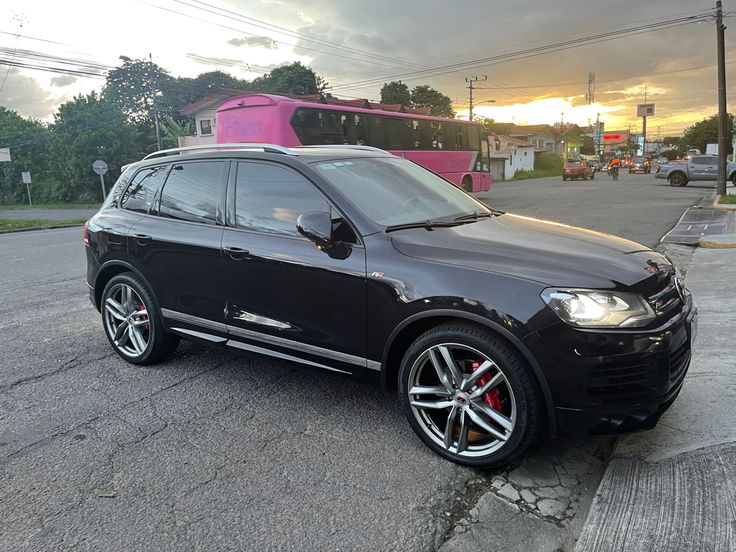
column 442, row 374
column 122, row 334
column 139, row 344
column 450, row 427
column 494, row 415
column 436, row 405
column 477, row 374
column 126, row 298
column 115, row 309
column 138, row 319
column 452, row 366
column 490, row 384
column 485, row 426
column 429, row 390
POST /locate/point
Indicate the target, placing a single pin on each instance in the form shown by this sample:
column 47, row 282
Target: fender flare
column 515, row 341
column 110, row 263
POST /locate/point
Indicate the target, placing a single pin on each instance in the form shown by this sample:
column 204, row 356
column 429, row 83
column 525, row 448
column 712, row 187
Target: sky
column 358, row 45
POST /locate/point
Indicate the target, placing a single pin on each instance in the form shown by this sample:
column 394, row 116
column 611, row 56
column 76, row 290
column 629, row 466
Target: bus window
column 437, row 136
column 376, row 132
column 422, row 134
column 485, row 156
column 475, row 140
column 306, row 125
column 398, row 134
column 330, row 127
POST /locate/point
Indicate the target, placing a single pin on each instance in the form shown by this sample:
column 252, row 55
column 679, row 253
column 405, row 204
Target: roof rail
column 270, row 148
column 350, row 146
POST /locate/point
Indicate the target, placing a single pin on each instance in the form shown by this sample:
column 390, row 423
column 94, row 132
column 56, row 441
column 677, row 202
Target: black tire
column 467, row 184
column 592, row 176
column 524, row 394
column 677, row 180
column 733, row 179
column 160, row 343
column 564, row 178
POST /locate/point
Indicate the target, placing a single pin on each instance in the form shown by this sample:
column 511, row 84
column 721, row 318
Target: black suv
column 493, row 327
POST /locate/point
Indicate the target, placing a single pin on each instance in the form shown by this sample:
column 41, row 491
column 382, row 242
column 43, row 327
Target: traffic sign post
column 100, row 167
column 26, row 176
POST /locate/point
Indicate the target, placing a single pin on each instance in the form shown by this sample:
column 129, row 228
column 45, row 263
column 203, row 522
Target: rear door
column 177, row 245
column 287, row 297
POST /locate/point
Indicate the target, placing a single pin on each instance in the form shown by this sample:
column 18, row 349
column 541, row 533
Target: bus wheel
column 467, row 184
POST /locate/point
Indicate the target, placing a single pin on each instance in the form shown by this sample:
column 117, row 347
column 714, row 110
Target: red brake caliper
column 145, row 316
column 492, row 398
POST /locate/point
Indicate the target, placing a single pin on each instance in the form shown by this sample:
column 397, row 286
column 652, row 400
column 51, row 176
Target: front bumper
column 617, row 382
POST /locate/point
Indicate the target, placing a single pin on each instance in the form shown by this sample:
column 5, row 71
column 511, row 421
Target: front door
column 287, row 297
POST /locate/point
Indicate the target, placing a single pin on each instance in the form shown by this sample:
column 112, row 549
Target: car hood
column 547, row 252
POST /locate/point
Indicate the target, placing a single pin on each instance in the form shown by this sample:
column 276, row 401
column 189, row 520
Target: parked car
column 597, row 166
column 493, row 328
column 577, row 169
column 640, row 164
column 695, row 168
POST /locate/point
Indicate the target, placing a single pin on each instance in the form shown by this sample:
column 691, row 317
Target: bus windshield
column 392, row 191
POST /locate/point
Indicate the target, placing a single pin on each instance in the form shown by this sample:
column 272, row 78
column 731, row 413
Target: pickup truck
column 697, row 167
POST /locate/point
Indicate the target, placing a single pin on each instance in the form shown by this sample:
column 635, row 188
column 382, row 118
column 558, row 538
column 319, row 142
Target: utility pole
column 156, row 122
column 471, row 81
column 644, row 127
column 722, row 122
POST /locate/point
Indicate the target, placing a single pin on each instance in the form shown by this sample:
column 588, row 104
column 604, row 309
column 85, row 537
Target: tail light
column 86, row 234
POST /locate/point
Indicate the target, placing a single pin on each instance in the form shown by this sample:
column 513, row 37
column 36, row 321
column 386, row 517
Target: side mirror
column 316, row 226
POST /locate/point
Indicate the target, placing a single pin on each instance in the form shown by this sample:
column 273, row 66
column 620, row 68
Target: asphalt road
column 211, row 451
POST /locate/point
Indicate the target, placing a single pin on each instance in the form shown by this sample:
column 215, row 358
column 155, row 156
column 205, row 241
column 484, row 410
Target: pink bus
column 457, row 150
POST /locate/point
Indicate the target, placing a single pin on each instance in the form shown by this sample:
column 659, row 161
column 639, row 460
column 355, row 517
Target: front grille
column 679, row 360
column 614, row 382
column 666, row 299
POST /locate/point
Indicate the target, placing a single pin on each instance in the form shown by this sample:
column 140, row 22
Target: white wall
column 522, row 158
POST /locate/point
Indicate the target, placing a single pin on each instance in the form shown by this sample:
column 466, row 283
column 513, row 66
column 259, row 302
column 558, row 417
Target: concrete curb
column 727, row 207
column 718, row 241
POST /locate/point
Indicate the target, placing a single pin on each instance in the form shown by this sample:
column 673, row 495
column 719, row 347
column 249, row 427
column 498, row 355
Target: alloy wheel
column 462, row 400
column 126, row 320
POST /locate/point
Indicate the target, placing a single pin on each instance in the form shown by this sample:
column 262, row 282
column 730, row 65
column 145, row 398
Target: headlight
column 599, row 309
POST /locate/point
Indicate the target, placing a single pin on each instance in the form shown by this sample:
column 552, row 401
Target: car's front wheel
column 677, row 180
column 133, row 325
column 468, row 395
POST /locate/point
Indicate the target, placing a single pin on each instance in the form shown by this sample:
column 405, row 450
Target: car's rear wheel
column 468, row 395
column 677, row 180
column 132, row 322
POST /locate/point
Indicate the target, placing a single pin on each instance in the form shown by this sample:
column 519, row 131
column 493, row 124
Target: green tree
column 493, row 126
column 396, row 92
column 28, row 141
column 138, row 90
column 85, row 129
column 182, row 91
column 671, row 140
column 588, row 147
column 295, row 79
column 173, row 129
column 426, row 96
column 704, row 132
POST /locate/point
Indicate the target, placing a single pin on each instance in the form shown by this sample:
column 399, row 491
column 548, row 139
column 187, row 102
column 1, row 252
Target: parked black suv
column 492, row 327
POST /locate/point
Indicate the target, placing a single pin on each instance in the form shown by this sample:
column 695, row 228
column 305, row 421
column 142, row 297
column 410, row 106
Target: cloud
column 254, row 42
column 64, row 80
column 27, row 97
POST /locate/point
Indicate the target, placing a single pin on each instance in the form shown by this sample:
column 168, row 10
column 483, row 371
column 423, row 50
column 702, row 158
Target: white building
column 510, row 155
column 203, row 112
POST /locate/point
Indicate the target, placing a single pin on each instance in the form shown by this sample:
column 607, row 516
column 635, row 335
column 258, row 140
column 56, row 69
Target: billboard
column 645, row 110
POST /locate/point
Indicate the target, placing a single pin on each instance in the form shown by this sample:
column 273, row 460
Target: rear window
column 192, row 191
column 573, row 163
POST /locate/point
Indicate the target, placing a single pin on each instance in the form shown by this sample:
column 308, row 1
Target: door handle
column 236, row 253
column 142, row 239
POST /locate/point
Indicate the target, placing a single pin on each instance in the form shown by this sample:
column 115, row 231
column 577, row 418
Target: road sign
column 645, row 110
column 99, row 166
column 4, row 154
column 26, row 176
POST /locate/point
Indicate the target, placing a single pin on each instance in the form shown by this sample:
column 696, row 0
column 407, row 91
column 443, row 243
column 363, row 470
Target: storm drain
column 696, row 223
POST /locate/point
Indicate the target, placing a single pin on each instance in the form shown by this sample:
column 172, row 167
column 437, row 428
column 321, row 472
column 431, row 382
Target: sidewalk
column 674, row 488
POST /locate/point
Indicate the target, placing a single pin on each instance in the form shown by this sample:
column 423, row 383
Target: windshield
column 392, row 191
column 573, row 162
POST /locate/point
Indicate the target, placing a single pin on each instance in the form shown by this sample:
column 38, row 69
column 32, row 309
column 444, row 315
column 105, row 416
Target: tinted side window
column 139, row 195
column 705, row 161
column 191, row 192
column 269, row 198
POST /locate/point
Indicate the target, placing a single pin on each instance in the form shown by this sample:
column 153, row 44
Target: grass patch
column 537, row 173
column 727, row 199
column 13, row 225
column 50, row 206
